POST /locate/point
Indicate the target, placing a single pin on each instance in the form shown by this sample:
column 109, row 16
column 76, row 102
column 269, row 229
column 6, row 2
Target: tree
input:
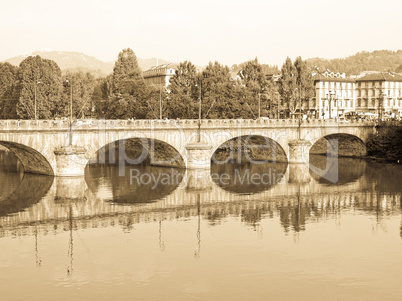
column 82, row 86
column 183, row 96
column 288, row 85
column 217, row 92
column 44, row 76
column 259, row 89
column 128, row 88
column 101, row 94
column 8, row 100
column 296, row 84
column 127, row 75
column 304, row 81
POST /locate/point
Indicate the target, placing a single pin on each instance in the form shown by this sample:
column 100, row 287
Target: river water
column 254, row 232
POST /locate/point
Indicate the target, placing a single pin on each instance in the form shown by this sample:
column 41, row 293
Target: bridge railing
column 179, row 123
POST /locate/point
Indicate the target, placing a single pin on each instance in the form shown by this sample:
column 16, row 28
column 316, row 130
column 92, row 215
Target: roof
column 322, row 78
column 381, row 76
column 159, row 67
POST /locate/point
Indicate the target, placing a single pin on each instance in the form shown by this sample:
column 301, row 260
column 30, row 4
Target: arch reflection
column 134, row 184
column 30, row 190
column 346, row 170
column 249, row 149
column 249, row 178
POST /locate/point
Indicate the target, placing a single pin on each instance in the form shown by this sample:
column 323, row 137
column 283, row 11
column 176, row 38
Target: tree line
column 38, row 89
column 378, row 60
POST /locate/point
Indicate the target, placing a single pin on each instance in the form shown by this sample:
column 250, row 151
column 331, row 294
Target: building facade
column 334, row 95
column 159, row 75
column 379, row 95
column 376, row 95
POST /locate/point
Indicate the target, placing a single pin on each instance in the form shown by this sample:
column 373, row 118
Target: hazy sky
column 228, row 31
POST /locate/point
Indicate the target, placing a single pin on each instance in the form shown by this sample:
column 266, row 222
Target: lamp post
column 337, row 108
column 300, row 103
column 277, row 108
column 331, row 95
column 71, row 112
column 160, row 104
column 380, row 106
column 199, row 113
column 36, row 84
column 300, row 112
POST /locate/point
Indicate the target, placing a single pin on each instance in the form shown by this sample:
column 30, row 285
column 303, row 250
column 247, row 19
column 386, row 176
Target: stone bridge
column 53, row 147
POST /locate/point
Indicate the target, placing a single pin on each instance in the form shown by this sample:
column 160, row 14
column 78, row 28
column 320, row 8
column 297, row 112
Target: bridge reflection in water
column 102, row 199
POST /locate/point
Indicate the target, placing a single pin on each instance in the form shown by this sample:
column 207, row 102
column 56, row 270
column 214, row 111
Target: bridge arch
column 342, row 144
column 137, row 151
column 255, row 148
column 32, row 160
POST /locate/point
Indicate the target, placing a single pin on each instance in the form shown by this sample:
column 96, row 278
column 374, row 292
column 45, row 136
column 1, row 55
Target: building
column 374, row 94
column 379, row 95
column 335, row 95
column 159, row 75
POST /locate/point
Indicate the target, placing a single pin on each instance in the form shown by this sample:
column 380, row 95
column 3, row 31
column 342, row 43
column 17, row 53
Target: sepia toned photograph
column 215, row 150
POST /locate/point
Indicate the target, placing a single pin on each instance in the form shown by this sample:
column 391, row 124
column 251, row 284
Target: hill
column 68, row 60
column 378, row 60
column 76, row 61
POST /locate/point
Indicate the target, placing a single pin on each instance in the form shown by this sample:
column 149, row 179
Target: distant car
column 82, row 122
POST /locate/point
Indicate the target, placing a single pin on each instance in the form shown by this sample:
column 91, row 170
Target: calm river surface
column 258, row 232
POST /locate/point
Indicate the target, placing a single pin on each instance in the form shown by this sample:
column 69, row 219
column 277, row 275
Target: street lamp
column 259, row 102
column 160, row 103
column 199, row 113
column 71, row 111
column 380, row 105
column 300, row 109
column 37, row 83
column 331, row 95
column 278, row 102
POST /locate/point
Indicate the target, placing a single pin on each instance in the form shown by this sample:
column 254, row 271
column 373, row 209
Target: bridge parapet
column 10, row 125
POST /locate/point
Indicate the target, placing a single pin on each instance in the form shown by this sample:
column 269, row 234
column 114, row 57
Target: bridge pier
column 70, row 161
column 198, row 155
column 299, row 174
column 299, row 151
column 70, row 189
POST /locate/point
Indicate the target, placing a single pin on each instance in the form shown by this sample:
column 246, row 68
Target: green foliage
column 288, row 85
column 43, row 77
column 379, row 60
column 126, row 73
column 259, row 88
column 217, row 92
column 100, row 95
column 82, row 86
column 266, row 69
column 184, row 94
column 8, row 78
column 296, row 84
column 128, row 97
column 385, row 144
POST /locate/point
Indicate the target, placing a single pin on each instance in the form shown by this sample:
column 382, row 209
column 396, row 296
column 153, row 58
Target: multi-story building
column 375, row 95
column 334, row 95
column 159, row 75
column 379, row 94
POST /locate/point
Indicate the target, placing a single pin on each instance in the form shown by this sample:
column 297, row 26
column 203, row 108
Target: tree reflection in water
column 248, row 178
column 349, row 170
column 30, row 190
column 140, row 184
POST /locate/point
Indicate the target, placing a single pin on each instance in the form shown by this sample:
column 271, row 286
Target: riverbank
column 385, row 145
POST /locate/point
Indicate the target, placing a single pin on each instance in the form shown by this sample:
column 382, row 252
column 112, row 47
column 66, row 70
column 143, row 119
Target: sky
column 228, row 31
